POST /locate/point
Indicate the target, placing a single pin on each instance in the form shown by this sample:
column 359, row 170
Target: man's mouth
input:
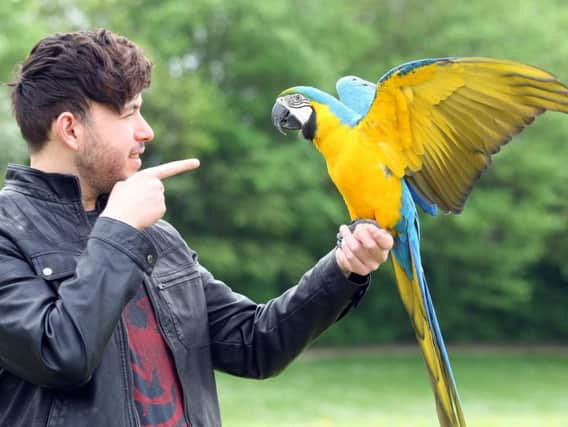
column 136, row 154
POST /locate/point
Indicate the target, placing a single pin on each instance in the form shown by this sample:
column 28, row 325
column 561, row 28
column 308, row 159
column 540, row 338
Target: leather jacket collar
column 48, row 186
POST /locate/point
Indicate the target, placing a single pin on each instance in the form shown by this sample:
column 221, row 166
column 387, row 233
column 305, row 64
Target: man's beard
column 98, row 166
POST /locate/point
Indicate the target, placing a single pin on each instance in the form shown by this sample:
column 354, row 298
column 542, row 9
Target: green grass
column 498, row 388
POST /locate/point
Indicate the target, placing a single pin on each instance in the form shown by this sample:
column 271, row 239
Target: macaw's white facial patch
column 302, row 113
column 298, row 105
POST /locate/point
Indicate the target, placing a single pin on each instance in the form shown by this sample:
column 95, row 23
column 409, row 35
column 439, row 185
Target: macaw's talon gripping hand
column 361, row 248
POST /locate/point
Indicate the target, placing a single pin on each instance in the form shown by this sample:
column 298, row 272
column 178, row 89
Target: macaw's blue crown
column 345, row 114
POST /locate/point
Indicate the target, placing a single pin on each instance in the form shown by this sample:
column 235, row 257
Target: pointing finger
column 172, row 168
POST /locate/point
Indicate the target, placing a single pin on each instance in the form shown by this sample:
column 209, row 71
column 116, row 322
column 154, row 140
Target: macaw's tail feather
column 417, row 301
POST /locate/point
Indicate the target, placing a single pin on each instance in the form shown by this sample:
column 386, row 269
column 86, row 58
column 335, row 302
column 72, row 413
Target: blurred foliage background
column 261, row 208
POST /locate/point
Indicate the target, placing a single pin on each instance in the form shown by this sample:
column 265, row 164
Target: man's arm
column 260, row 340
column 56, row 337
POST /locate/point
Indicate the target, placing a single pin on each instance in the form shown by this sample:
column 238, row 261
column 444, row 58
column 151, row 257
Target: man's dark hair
column 65, row 72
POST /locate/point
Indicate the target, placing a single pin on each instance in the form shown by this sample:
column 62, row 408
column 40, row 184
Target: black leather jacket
column 64, row 358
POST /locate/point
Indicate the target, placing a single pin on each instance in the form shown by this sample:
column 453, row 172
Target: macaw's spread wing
column 440, row 120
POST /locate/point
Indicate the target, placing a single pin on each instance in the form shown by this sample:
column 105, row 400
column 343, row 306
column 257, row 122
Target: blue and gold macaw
column 422, row 135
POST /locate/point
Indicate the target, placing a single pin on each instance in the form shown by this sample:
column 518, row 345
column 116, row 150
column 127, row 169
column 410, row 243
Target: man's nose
column 144, row 131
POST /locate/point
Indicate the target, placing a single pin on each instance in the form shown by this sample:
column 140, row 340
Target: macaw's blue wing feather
column 418, row 302
column 407, row 67
column 358, row 95
column 426, row 206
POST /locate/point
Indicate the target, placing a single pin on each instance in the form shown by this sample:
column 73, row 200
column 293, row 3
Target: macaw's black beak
column 282, row 119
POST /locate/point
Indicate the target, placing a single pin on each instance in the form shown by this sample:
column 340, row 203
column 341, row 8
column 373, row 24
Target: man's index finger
column 169, row 169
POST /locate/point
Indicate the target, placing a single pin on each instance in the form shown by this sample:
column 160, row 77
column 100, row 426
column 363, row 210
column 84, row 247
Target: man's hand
column 363, row 250
column 139, row 200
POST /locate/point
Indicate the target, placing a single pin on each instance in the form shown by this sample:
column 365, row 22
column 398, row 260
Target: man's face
column 111, row 145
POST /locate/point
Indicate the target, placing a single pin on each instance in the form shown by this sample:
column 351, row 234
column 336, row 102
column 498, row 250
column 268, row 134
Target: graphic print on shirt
column 157, row 393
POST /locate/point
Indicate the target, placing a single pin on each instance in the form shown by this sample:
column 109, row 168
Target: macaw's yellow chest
column 358, row 169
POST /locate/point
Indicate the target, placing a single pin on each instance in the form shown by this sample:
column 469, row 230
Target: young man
column 106, row 316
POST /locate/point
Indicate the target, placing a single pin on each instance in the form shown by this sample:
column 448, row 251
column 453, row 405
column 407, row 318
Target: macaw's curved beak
column 282, row 119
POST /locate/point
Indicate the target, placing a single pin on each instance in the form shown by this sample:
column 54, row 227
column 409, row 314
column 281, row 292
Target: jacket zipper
column 129, row 381
column 50, row 415
column 149, row 284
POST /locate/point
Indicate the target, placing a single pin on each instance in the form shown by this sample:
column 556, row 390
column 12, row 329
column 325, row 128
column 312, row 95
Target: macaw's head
column 312, row 111
column 293, row 110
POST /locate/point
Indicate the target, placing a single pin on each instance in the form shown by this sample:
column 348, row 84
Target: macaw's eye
column 296, row 99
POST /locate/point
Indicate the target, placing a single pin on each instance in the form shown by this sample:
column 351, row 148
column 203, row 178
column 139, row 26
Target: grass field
column 498, row 387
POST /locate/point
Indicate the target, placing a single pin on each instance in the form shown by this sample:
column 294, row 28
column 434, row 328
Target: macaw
column 422, row 135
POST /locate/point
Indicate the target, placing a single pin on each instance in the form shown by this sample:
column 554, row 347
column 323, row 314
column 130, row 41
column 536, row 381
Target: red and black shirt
column 157, row 392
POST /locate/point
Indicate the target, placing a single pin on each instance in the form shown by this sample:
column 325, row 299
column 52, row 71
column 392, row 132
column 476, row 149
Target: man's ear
column 66, row 128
